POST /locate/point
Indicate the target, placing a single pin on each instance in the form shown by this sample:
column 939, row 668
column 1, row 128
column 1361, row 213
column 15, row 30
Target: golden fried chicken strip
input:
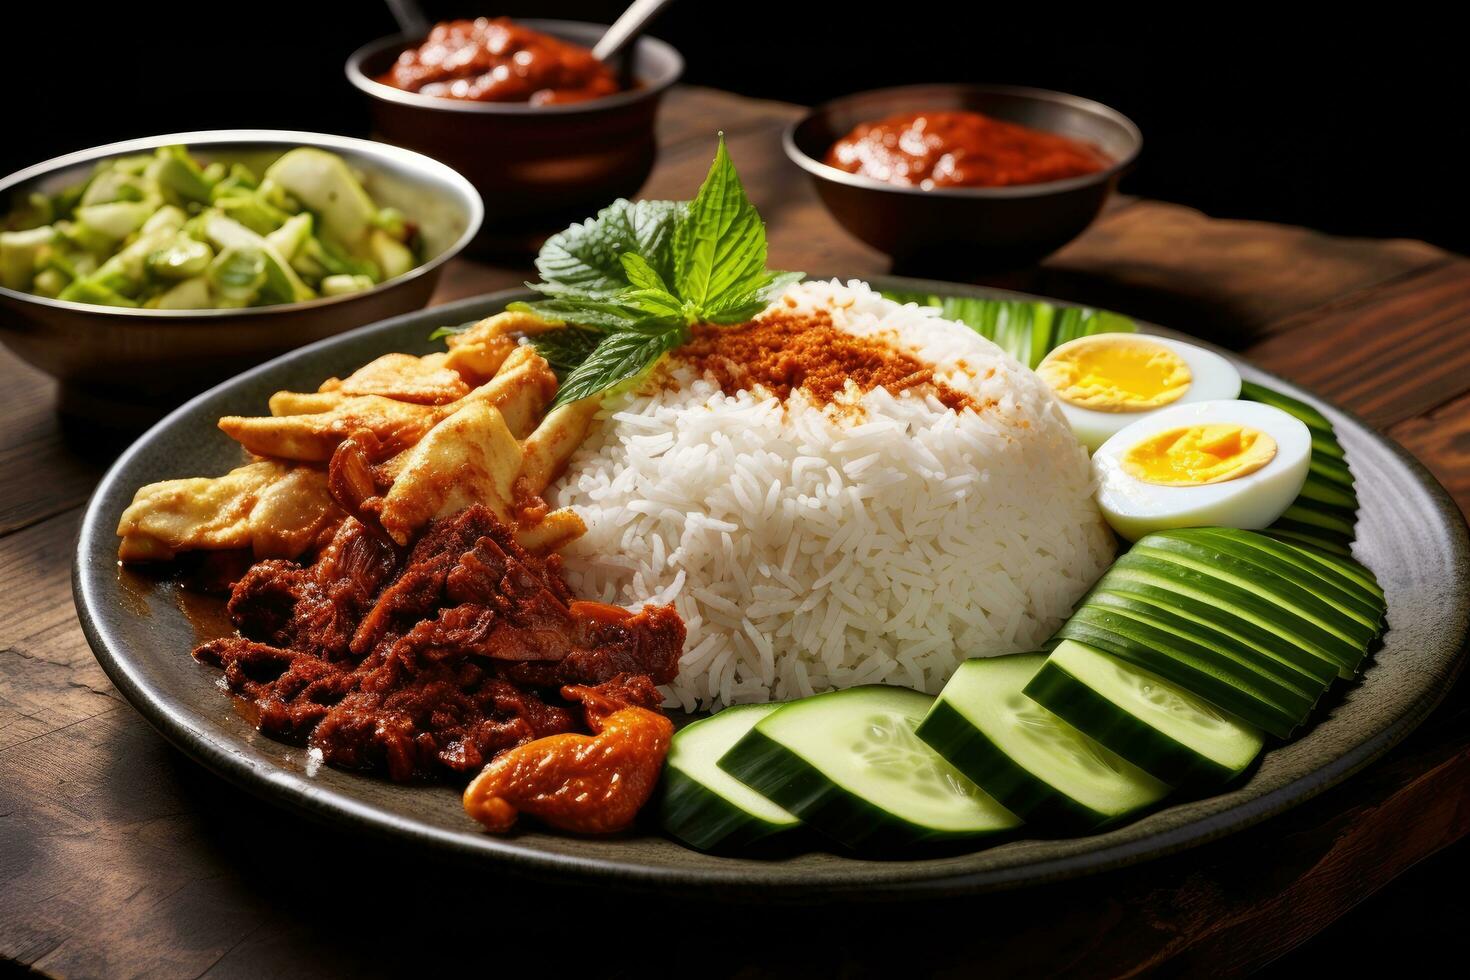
column 405, row 378
column 545, row 452
column 478, row 352
column 443, row 446
column 313, row 436
column 471, row 457
column 554, row 531
column 292, row 513
column 178, row 515
column 520, row 390
column 309, row 425
column 273, row 508
column 305, row 403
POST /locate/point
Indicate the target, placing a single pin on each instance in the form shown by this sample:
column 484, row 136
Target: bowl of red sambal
column 545, row 132
column 967, row 178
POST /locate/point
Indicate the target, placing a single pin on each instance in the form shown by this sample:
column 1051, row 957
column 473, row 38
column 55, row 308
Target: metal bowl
column 123, row 367
column 539, row 168
column 970, row 229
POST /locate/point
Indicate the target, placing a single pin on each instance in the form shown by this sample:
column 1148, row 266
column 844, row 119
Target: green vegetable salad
column 160, row 231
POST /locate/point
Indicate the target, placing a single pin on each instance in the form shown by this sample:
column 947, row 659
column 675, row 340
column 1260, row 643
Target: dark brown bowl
column 971, row 229
column 124, row 368
column 539, row 168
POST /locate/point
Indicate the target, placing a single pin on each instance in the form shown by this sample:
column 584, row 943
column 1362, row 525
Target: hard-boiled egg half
column 1209, row 464
column 1109, row 380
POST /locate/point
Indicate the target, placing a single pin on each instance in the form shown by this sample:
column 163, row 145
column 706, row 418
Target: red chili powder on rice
column 789, row 349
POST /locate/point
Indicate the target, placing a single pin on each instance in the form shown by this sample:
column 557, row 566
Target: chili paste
column 498, row 60
column 961, row 149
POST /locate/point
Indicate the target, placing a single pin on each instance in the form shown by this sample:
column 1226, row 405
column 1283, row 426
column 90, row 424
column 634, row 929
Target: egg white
column 1212, row 378
column 1135, row 508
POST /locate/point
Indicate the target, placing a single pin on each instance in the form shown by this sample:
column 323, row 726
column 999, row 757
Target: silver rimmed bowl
column 123, row 367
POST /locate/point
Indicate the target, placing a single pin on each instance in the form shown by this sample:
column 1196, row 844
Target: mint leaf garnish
column 584, row 260
column 639, row 275
column 642, row 275
column 618, row 358
column 739, row 307
column 567, row 348
column 722, row 242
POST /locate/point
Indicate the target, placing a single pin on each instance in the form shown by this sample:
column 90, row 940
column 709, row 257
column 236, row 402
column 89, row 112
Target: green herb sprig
column 630, row 282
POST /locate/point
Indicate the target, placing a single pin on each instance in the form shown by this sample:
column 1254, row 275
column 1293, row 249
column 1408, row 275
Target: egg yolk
column 1194, row 455
column 1116, row 373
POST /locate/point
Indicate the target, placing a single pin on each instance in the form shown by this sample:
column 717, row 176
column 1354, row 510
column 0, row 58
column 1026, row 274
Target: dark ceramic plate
column 142, row 629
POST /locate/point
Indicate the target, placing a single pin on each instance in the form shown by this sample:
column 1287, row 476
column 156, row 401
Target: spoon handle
column 627, row 28
column 410, row 17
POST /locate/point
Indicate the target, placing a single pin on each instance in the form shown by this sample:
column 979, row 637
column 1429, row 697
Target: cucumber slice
column 1349, row 569
column 1328, row 493
column 1226, row 687
column 1307, row 595
column 706, row 807
column 1257, row 626
column 1156, row 583
column 1314, row 419
column 1302, row 616
column 849, row 764
column 1326, row 512
column 323, row 182
column 1159, row 727
column 1029, row 759
column 1307, row 537
column 1342, row 591
column 1293, row 683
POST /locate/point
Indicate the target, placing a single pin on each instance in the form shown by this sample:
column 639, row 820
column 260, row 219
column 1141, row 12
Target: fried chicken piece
column 406, row 378
column 520, row 390
column 480, row 351
column 312, row 437
column 469, row 458
column 270, row 507
column 551, row 533
column 305, row 403
column 545, row 452
column 578, row 783
column 292, row 513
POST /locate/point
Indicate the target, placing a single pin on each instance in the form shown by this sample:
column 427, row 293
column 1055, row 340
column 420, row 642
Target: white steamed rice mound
column 810, row 549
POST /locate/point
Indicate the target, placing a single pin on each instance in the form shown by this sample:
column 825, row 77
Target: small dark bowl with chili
column 546, row 134
column 964, row 179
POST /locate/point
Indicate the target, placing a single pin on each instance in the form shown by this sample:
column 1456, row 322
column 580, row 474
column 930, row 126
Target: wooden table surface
column 120, row 857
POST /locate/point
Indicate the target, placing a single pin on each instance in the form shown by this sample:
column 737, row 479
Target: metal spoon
column 411, row 18
column 626, row 29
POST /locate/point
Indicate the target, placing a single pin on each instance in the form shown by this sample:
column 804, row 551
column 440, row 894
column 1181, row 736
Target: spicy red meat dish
column 428, row 662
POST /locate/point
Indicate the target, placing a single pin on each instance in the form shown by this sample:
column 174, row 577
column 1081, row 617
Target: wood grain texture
column 119, row 857
column 1228, row 280
column 1385, row 354
column 1441, row 440
column 48, row 677
column 32, row 442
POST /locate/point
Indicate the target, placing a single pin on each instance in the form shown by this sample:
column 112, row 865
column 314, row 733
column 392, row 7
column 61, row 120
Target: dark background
column 1342, row 122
